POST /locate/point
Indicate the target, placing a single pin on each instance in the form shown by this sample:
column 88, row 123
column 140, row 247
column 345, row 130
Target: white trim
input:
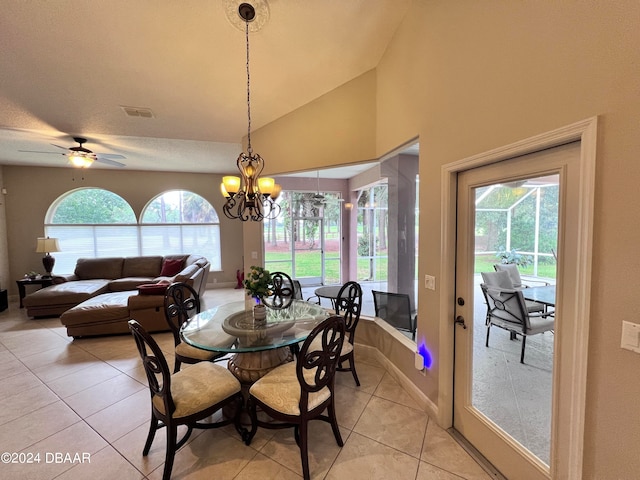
column 570, row 466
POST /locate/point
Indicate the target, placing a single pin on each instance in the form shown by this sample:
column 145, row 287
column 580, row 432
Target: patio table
column 545, row 295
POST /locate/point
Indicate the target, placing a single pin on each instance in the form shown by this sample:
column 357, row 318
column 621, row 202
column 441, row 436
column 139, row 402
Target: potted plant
column 31, row 275
column 512, row 256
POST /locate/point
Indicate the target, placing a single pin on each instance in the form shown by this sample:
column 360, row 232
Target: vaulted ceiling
column 70, row 67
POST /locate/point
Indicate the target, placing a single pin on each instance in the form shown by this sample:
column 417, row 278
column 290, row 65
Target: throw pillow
column 171, row 267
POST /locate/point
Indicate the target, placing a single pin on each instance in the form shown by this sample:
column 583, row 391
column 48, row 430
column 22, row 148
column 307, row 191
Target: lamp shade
column 80, row 160
column 47, row 245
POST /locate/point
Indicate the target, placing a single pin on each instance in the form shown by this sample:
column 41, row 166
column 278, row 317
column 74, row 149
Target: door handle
column 460, row 320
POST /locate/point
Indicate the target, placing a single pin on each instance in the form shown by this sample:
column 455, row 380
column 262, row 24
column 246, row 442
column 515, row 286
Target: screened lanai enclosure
column 343, row 229
column 518, row 223
column 304, row 240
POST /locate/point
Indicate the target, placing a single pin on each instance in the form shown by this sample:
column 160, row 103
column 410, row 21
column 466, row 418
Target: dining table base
column 249, row 367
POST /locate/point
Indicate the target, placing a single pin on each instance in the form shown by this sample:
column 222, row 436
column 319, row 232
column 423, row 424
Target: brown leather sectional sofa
column 103, row 293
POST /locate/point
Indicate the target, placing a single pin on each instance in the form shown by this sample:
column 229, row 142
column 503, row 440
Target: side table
column 40, row 281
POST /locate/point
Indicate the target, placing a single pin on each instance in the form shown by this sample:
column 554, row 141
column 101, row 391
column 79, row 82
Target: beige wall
column 30, row 192
column 466, row 77
column 485, row 74
column 335, row 129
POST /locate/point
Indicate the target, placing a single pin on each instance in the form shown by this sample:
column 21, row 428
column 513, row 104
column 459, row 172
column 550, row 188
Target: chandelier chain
column 249, row 149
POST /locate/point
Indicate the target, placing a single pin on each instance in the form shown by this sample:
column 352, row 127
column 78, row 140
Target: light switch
column 430, row 282
column 254, row 255
column 630, row 336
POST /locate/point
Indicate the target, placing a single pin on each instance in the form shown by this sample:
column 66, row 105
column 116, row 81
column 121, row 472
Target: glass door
column 509, row 212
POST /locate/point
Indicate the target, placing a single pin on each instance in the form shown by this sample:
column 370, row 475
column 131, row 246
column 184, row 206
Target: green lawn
column 307, row 265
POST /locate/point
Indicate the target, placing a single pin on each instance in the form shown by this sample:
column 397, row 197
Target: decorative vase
column 259, row 314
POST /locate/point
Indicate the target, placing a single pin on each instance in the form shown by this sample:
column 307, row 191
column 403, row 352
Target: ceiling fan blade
column 36, row 151
column 107, row 161
column 111, row 156
column 63, row 148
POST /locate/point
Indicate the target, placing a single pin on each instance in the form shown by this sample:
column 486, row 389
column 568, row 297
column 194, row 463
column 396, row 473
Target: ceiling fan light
column 80, row 160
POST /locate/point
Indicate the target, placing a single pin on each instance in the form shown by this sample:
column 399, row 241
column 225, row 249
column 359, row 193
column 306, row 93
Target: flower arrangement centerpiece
column 257, row 285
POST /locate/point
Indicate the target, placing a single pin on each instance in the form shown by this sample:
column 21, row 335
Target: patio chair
column 506, row 309
column 181, row 302
column 395, row 309
column 295, row 393
column 502, row 279
column 184, row 398
column 514, row 274
column 297, row 290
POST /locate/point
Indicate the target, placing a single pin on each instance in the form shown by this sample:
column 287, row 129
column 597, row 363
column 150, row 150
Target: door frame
column 572, row 369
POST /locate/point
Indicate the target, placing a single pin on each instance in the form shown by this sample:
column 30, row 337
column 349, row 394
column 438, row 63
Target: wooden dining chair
column 297, row 392
column 282, row 291
column 181, row 302
column 184, row 398
column 348, row 305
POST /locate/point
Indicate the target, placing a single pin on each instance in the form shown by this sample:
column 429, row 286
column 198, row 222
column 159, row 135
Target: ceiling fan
column 318, row 199
column 82, row 157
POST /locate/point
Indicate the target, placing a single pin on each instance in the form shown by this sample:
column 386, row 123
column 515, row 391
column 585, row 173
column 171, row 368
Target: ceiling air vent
column 138, row 112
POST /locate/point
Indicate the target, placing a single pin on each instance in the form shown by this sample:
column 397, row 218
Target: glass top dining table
column 229, row 328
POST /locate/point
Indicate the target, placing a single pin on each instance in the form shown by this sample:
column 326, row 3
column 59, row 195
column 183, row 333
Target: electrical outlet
column 419, row 361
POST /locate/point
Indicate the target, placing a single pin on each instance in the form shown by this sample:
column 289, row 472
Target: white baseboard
column 414, row 392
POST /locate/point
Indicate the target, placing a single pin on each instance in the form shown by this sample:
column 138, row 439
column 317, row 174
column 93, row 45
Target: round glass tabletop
column 230, row 328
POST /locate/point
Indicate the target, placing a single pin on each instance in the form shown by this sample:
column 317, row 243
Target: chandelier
column 250, row 197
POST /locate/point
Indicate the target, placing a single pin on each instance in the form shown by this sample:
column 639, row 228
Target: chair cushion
column 540, row 324
column 499, row 279
column 280, row 390
column 141, row 266
column 90, row 268
column 106, row 307
column 188, row 351
column 512, row 271
column 127, row 283
column 198, row 387
column 346, row 348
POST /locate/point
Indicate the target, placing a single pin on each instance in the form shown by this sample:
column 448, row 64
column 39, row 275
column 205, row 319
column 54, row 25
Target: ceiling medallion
column 234, row 12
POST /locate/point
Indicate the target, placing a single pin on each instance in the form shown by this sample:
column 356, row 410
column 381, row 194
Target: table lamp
column 46, row 246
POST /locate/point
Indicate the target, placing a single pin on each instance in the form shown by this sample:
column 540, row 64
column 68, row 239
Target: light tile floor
column 89, row 397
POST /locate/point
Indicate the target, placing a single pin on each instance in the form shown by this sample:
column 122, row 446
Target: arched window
column 89, row 223
column 94, row 223
column 179, row 221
